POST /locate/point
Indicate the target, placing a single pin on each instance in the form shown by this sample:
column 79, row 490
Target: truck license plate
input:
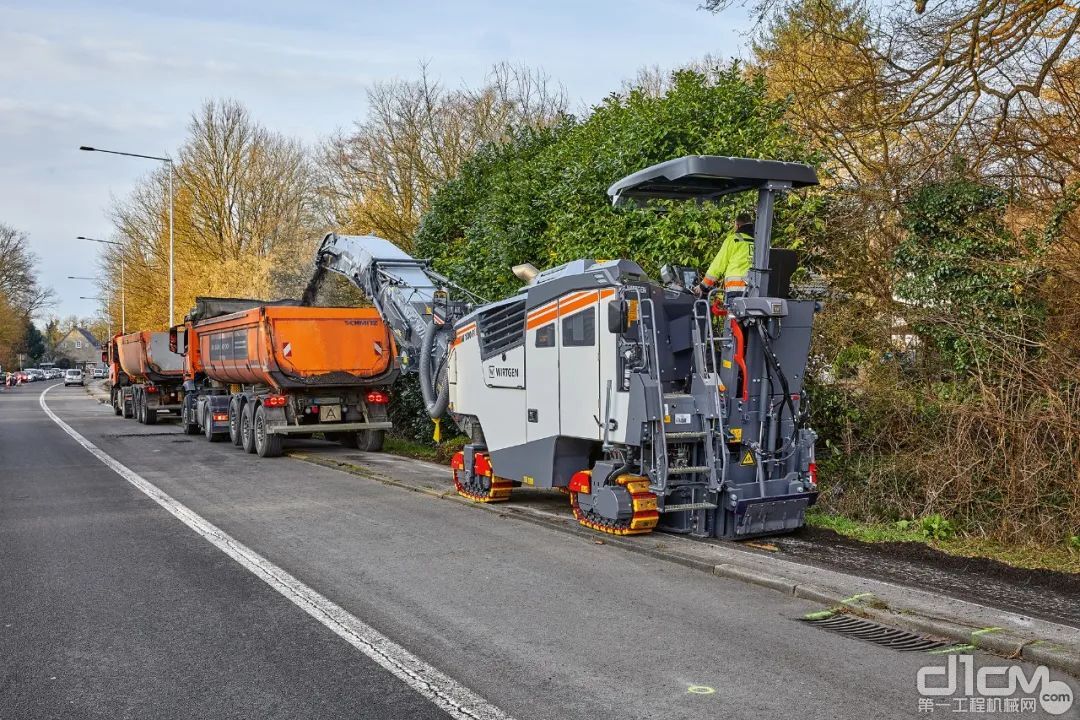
column 329, row 413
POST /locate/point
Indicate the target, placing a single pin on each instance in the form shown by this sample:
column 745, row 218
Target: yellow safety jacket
column 732, row 263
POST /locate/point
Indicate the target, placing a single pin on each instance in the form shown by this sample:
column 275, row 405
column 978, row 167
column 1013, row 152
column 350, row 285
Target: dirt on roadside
column 1043, row 594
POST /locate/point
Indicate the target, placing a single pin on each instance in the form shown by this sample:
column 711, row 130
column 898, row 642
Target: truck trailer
column 148, row 376
column 256, row 372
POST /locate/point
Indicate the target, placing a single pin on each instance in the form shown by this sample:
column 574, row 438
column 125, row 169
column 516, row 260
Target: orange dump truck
column 257, row 372
column 148, row 375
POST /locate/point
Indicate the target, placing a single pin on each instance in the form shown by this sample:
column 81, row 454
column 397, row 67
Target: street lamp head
column 87, row 148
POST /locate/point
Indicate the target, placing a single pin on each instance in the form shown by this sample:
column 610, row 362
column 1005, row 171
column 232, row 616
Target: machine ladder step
column 689, row 470
column 677, row 396
column 689, row 506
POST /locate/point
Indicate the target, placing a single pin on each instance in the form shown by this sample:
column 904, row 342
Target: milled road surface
column 111, row 607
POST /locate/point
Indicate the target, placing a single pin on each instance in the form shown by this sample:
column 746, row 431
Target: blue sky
column 126, row 74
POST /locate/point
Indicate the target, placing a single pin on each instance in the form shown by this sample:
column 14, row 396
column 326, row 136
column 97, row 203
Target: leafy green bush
column 970, row 281
column 541, row 197
column 935, row 527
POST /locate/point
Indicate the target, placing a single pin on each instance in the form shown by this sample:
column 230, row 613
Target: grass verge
column 440, row 453
column 1032, row 556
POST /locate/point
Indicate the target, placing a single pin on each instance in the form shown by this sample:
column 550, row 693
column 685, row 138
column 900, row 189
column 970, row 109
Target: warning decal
column 287, row 350
column 747, row 458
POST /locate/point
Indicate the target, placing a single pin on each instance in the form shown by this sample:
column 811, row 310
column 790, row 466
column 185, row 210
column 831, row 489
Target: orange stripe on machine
column 554, row 304
column 566, row 305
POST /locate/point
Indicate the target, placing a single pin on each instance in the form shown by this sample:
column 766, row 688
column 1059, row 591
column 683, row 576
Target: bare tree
column 18, row 273
column 954, row 70
column 380, row 176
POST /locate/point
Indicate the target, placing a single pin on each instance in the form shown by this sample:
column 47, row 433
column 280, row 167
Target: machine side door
column 542, row 388
column 579, row 365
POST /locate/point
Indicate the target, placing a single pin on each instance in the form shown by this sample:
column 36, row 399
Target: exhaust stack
column 526, row 272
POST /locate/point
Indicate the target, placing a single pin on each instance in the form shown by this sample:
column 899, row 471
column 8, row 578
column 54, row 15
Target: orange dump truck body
column 146, row 358
column 289, row 347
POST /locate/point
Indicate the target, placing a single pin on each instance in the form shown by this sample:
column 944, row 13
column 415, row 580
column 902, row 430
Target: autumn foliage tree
column 21, row 294
column 245, row 220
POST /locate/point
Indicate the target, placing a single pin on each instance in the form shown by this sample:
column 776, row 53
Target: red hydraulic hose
column 740, row 357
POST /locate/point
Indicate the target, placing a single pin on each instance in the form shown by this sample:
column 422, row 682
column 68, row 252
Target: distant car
column 100, row 373
column 54, row 374
column 34, row 374
column 73, row 377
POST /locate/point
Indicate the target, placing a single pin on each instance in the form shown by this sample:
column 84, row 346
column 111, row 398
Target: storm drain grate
column 872, row 632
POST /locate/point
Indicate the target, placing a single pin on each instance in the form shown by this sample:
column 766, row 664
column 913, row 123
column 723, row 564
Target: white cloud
column 24, row 117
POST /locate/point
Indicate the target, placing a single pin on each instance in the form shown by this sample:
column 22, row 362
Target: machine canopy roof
column 707, row 177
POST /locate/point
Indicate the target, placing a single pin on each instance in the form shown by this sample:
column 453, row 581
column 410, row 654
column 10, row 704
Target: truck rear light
column 813, row 474
column 221, row 417
column 151, row 389
column 378, row 397
column 274, row 401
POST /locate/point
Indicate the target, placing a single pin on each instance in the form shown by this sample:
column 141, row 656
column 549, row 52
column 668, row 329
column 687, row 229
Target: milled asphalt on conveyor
column 538, row 622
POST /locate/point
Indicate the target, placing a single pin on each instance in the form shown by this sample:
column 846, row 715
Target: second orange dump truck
column 256, row 372
column 146, row 375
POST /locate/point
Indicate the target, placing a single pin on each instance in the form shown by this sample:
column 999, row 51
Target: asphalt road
column 111, row 607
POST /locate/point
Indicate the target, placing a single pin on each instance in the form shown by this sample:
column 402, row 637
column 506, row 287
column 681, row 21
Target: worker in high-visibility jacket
column 732, row 263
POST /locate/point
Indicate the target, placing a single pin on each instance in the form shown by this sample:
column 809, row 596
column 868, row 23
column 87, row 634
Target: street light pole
column 172, row 280
column 123, row 286
column 168, row 162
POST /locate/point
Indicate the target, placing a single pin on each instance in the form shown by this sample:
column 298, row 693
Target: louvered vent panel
column 501, row 329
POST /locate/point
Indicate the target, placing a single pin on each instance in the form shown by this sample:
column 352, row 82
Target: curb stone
column 1052, row 655
column 756, row 578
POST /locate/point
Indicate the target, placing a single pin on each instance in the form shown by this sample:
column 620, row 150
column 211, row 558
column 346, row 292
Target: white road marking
column 457, row 700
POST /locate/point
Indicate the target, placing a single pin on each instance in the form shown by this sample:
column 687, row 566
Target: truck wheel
column 247, row 429
column 266, row 444
column 190, row 428
column 370, row 440
column 128, row 403
column 234, row 424
column 139, row 417
column 116, row 400
column 149, row 416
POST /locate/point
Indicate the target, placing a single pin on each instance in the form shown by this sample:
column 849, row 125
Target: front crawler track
column 481, row 485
